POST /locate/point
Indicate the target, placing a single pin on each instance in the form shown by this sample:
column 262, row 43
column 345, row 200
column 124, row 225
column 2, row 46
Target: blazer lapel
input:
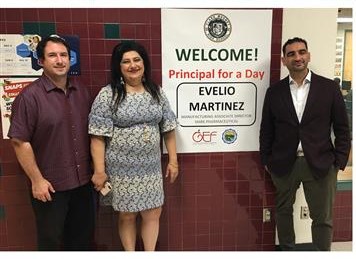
column 287, row 99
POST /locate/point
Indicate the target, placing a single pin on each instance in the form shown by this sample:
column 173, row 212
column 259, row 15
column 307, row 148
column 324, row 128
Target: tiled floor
column 341, row 246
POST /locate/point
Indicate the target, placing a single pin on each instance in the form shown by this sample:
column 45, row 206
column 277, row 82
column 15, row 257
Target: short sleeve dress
column 132, row 152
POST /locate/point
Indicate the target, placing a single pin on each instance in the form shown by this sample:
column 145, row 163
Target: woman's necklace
column 146, row 134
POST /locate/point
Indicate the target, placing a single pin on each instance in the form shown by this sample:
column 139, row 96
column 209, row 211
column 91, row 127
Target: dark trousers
column 66, row 222
column 319, row 194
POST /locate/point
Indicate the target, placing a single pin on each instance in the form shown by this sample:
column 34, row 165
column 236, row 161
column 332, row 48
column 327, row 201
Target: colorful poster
column 215, row 71
column 9, row 89
column 18, row 55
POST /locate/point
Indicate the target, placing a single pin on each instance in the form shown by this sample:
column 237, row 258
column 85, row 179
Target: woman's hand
column 99, row 180
column 172, row 172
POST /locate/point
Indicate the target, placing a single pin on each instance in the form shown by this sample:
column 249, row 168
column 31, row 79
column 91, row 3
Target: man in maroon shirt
column 49, row 132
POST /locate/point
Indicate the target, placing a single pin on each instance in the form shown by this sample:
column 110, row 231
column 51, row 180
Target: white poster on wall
column 18, row 55
column 215, row 72
column 9, row 89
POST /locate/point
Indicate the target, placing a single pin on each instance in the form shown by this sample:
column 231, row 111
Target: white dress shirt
column 299, row 97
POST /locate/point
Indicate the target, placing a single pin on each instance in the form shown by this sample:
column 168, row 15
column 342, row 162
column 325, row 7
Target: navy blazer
column 281, row 131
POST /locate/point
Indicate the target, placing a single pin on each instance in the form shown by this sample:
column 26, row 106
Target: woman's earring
column 122, row 82
column 143, row 79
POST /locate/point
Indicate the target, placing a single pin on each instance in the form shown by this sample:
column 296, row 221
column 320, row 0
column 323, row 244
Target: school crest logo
column 217, row 27
column 229, row 136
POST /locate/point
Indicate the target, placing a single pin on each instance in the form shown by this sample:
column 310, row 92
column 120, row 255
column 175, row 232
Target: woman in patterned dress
column 126, row 121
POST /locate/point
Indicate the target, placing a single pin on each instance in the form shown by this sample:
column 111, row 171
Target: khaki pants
column 319, row 194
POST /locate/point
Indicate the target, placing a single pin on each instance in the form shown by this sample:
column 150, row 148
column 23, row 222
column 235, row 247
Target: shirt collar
column 49, row 85
column 307, row 79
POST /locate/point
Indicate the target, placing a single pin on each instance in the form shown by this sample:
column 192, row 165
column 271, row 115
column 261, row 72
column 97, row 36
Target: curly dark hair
column 119, row 91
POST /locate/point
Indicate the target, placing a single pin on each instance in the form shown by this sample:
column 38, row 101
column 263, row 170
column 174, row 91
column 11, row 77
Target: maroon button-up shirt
column 56, row 125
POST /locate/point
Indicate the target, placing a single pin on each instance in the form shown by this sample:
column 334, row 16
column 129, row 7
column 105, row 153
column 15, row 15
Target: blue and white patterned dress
column 132, row 153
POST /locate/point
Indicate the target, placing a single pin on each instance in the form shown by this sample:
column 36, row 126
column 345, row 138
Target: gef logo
column 203, row 136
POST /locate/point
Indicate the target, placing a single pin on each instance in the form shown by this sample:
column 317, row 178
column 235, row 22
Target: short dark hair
column 294, row 40
column 54, row 38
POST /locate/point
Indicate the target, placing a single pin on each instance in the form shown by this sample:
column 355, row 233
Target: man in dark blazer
column 296, row 144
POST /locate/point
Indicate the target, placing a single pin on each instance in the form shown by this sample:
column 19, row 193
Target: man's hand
column 41, row 190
